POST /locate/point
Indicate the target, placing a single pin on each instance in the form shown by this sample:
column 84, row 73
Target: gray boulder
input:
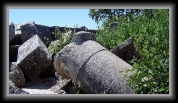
column 44, row 32
column 83, row 28
column 29, row 29
column 11, row 31
column 81, row 36
column 33, row 57
column 48, row 72
column 17, row 40
column 16, row 75
column 126, row 51
column 18, row 26
column 14, row 90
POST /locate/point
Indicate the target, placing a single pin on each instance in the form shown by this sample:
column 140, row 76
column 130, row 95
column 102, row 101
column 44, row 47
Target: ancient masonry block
column 33, row 57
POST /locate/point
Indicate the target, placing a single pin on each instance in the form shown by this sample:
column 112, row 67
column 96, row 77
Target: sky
column 53, row 17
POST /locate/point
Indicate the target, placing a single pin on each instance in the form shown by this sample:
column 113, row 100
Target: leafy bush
column 63, row 40
column 151, row 40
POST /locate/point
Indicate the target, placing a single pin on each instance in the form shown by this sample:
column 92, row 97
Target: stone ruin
column 29, row 58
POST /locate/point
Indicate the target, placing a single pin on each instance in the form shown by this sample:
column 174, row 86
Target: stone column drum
column 94, row 68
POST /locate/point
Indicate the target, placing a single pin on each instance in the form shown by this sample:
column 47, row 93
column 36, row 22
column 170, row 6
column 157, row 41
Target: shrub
column 151, row 41
column 63, row 40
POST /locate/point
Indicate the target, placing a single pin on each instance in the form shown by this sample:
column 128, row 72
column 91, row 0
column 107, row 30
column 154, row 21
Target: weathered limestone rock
column 91, row 66
column 16, row 75
column 44, row 32
column 48, row 72
column 83, row 28
column 29, row 29
column 17, row 40
column 33, row 57
column 82, row 36
column 11, row 31
column 15, row 90
column 18, row 26
column 126, row 51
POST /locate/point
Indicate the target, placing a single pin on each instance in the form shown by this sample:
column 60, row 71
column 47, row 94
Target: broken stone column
column 95, row 69
column 33, row 57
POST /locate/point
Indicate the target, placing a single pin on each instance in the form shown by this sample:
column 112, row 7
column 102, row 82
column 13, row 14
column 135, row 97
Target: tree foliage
column 150, row 32
column 109, row 14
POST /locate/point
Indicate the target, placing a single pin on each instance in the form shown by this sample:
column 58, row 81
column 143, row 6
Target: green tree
column 150, row 32
column 107, row 14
